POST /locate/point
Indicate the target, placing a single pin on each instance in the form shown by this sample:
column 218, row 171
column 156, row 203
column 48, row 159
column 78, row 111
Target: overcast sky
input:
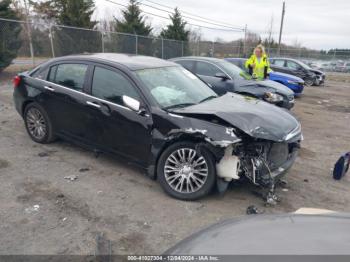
column 321, row 24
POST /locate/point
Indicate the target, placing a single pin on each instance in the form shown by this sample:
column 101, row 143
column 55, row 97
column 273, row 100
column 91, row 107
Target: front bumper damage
column 263, row 163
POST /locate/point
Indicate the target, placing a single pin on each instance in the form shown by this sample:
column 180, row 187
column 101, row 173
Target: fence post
column 162, row 48
column 102, row 42
column 182, row 48
column 51, row 41
column 198, row 49
column 212, row 49
column 136, row 44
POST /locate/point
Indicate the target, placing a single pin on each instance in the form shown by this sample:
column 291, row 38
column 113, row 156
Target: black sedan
column 223, row 76
column 158, row 115
column 295, row 67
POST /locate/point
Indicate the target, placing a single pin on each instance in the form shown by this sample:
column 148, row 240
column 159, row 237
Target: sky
column 318, row 24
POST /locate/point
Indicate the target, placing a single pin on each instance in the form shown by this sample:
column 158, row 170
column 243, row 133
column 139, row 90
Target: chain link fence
column 35, row 42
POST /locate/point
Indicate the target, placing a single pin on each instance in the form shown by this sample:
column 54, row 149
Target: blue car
column 292, row 82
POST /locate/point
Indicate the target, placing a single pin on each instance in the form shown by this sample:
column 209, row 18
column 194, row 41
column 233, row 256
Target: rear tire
column 38, row 124
column 184, row 173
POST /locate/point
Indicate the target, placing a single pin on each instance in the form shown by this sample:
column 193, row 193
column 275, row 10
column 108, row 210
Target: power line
column 188, row 13
column 167, row 18
column 196, row 19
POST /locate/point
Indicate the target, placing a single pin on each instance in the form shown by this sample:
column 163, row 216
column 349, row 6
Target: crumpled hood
column 252, row 116
column 288, row 76
column 277, row 87
column 317, row 72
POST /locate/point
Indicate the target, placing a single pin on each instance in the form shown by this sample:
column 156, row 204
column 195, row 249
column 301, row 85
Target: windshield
column 234, row 71
column 175, row 86
column 304, row 65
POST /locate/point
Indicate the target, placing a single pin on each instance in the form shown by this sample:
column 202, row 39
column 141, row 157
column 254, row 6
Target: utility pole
column 245, row 39
column 29, row 32
column 281, row 28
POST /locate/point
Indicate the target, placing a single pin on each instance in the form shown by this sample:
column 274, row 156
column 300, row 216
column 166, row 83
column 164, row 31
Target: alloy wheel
column 185, row 170
column 36, row 123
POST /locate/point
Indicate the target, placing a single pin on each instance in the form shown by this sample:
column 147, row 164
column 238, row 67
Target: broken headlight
column 272, row 97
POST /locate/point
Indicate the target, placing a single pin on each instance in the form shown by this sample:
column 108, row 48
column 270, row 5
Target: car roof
column 286, row 58
column 235, row 59
column 198, row 58
column 133, row 62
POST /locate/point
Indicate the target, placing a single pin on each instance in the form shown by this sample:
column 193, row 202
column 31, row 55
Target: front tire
column 309, row 81
column 185, row 173
column 38, row 124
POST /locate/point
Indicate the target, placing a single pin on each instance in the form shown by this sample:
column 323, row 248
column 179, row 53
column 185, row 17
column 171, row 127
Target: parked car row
column 223, row 77
column 295, row 67
column 163, row 118
column 332, row 66
column 296, row 84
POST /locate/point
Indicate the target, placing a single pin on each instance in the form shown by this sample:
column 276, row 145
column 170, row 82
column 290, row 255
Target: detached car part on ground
column 158, row 115
column 295, row 67
column 223, row 76
column 296, row 84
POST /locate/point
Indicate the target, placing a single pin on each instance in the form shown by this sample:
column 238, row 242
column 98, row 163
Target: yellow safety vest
column 259, row 69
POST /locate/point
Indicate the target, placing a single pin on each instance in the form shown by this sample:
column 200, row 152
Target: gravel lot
column 114, row 204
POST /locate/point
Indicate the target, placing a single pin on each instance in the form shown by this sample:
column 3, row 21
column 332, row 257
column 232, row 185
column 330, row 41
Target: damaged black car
column 158, row 115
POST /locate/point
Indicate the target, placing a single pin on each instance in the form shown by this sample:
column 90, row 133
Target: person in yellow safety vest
column 258, row 64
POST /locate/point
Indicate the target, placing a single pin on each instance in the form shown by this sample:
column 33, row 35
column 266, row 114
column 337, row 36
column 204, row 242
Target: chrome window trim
column 87, row 95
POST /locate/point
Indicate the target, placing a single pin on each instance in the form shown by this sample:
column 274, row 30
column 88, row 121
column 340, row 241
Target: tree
column 73, row 13
column 176, row 30
column 133, row 22
column 76, row 13
column 9, row 40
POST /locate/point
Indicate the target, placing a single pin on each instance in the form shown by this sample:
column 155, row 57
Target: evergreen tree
column 133, row 22
column 9, row 34
column 67, row 12
column 75, row 13
column 176, row 30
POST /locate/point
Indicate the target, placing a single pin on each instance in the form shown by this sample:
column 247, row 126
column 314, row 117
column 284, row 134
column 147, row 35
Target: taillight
column 16, row 81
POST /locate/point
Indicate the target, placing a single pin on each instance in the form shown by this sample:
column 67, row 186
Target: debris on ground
column 341, row 167
column 64, row 219
column 103, row 247
column 71, row 178
column 60, row 196
column 285, row 189
column 84, row 169
column 32, row 209
column 253, row 210
column 283, row 183
column 306, row 180
column 43, row 154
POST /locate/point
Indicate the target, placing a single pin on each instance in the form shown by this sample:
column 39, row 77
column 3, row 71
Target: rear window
column 40, row 73
column 186, row 64
column 69, row 75
column 279, row 63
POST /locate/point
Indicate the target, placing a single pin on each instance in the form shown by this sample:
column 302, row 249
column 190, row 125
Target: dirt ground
column 113, row 208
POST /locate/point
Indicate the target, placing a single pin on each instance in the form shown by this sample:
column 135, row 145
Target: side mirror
column 222, row 76
column 131, row 103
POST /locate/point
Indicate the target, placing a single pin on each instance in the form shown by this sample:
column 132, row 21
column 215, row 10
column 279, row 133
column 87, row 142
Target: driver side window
column 111, row 86
column 206, row 69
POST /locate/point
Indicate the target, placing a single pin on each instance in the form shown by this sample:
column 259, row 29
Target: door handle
column 93, row 104
column 49, row 88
